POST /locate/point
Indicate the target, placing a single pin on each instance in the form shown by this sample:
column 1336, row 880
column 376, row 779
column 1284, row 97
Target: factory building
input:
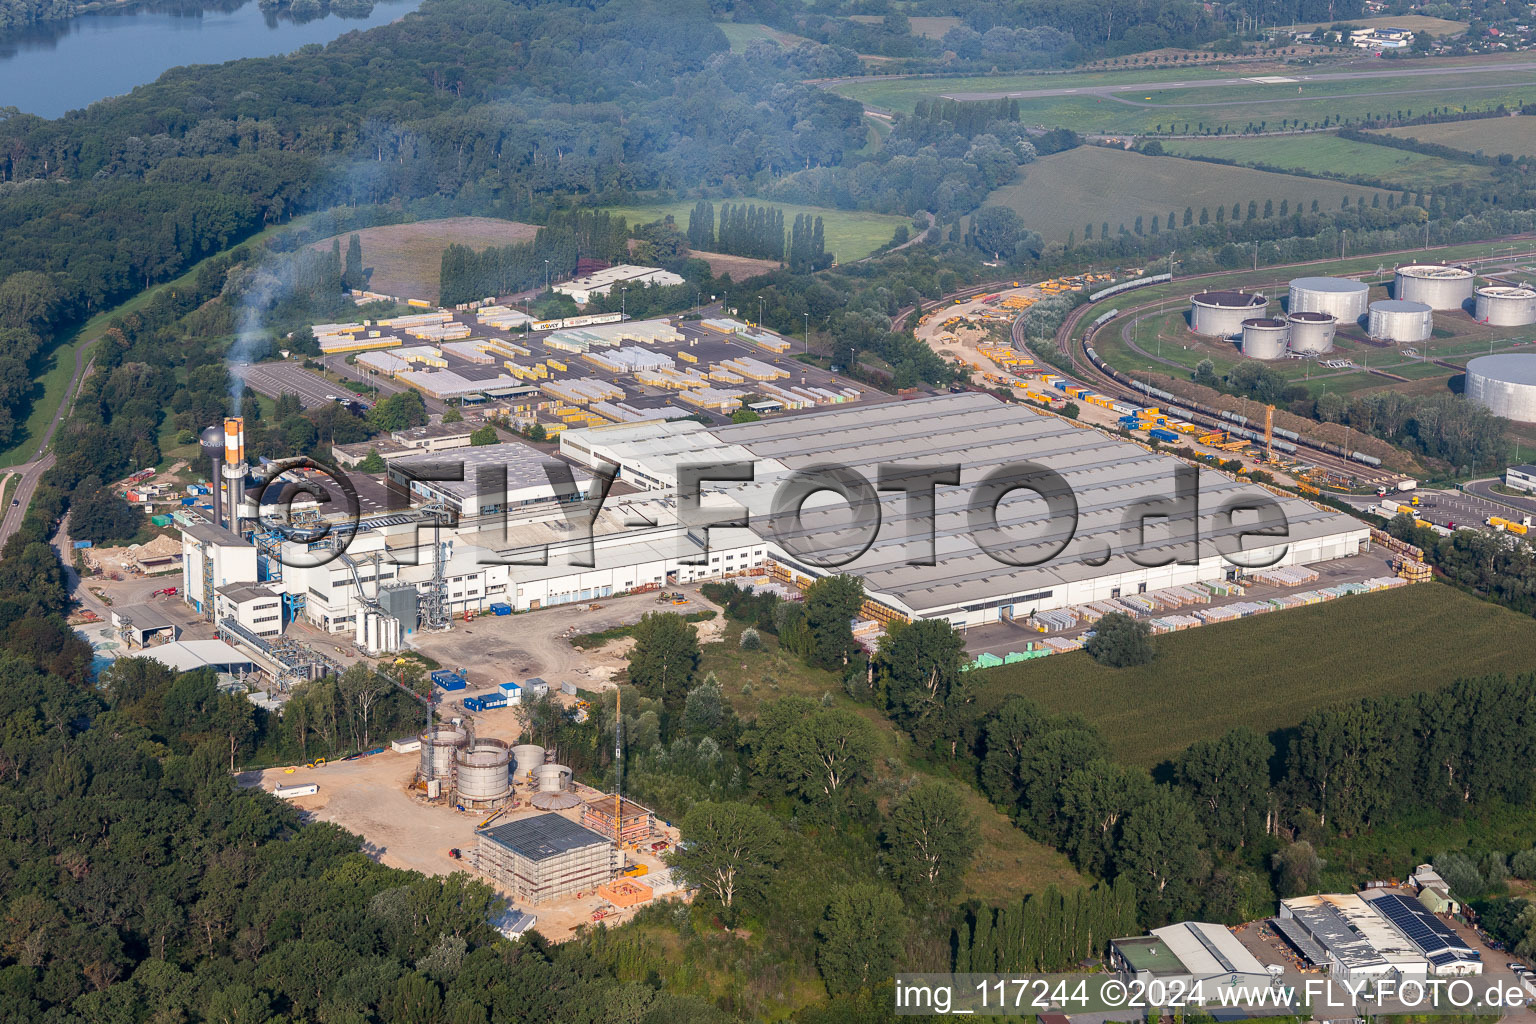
column 1374, row 934
column 1192, row 955
column 965, row 584
column 1505, row 385
column 1221, row 314
column 583, row 289
column 252, row 606
column 545, row 856
column 1521, row 478
column 1437, row 285
column 1343, row 297
column 1503, row 306
column 1400, row 320
column 212, row 557
column 479, row 492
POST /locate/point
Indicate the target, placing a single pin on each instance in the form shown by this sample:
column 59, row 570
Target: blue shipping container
column 501, row 608
column 1163, row 435
column 82, row 544
column 188, row 502
column 473, row 704
column 451, row 683
column 1061, row 385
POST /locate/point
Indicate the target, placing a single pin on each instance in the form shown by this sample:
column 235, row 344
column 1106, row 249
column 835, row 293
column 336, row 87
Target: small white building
column 434, row 437
column 582, row 289
column 1521, row 478
column 251, row 605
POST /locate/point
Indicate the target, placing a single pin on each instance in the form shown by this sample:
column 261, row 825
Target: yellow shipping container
column 555, row 364
column 688, row 357
column 419, row 303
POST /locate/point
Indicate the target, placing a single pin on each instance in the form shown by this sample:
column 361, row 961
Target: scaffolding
column 638, row 820
column 517, row 859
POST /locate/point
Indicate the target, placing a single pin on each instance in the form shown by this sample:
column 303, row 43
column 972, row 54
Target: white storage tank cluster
column 483, row 780
column 1221, row 314
column 1400, row 320
column 553, row 782
column 1437, row 285
column 1505, row 385
column 1264, row 338
column 1344, row 298
column 1505, row 306
column 1310, row 333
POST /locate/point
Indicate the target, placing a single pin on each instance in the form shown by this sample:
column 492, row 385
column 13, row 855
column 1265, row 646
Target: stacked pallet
column 1287, row 576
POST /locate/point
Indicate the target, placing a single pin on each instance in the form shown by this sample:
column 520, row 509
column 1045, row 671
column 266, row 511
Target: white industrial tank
column 1504, row 306
column 1437, row 285
column 1310, row 333
column 482, row 773
column 1221, row 314
column 438, row 747
column 1400, row 320
column 1264, row 338
column 1346, row 299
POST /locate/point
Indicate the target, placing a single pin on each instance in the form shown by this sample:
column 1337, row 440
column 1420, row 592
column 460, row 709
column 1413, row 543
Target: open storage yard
column 1252, row 671
column 406, row 259
column 1094, row 184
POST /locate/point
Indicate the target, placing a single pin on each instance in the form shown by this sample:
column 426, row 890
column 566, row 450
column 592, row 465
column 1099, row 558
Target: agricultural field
column 901, row 94
column 1326, row 153
column 1490, row 135
column 850, row 234
column 1412, row 22
column 406, row 260
column 1269, row 671
column 1094, row 184
column 923, row 28
column 741, row 35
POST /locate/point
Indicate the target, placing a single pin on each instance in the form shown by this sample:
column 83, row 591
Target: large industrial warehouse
column 1373, row 934
column 1112, row 480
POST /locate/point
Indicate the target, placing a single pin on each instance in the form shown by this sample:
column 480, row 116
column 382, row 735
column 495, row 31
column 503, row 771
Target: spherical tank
column 1311, row 333
column 437, row 750
column 552, row 778
column 1263, row 338
column 1505, row 385
column 1437, row 285
column 1346, row 299
column 1400, row 320
column 482, row 769
column 1221, row 314
column 526, row 757
column 1501, row 306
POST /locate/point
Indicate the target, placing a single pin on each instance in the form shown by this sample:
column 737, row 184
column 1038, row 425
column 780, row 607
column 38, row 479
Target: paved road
column 1484, row 489
column 1281, row 81
column 42, row 461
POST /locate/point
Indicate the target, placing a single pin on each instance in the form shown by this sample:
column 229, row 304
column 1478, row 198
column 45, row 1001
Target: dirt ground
column 371, row 797
column 496, row 649
column 739, row 267
column 406, row 259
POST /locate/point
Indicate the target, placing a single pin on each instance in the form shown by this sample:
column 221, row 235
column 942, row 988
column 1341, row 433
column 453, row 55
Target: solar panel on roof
column 1423, row 929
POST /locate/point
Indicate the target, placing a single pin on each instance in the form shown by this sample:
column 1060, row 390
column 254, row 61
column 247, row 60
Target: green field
column 1490, row 135
column 850, row 234
column 1064, row 191
column 1230, row 108
column 1269, row 671
column 1326, row 153
column 741, row 35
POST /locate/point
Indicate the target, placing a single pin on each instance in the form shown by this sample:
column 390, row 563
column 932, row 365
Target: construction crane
column 1269, row 433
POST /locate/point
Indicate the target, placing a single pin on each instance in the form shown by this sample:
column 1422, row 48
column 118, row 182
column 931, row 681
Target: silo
column 437, row 749
column 1399, row 320
column 1437, row 285
column 1504, row 384
column 1264, row 338
column 526, row 758
column 482, row 773
column 1311, row 333
column 1503, row 306
column 1346, row 299
column 552, row 778
column 1221, row 314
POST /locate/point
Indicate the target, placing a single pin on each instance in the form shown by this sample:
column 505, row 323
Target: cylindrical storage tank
column 1263, row 338
column 1347, row 300
column 1221, row 314
column 483, row 779
column 1503, row 306
column 525, row 758
column 1398, row 320
column 1310, row 333
column 437, row 750
column 1504, row 384
column 551, row 778
column 1437, row 285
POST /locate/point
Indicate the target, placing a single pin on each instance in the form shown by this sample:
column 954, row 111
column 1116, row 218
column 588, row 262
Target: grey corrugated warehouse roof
column 543, row 836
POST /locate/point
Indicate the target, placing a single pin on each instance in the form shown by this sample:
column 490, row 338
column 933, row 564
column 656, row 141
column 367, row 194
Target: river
column 61, row 66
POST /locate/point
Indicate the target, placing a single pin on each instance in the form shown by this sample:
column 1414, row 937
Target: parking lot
column 273, row 379
column 1444, row 508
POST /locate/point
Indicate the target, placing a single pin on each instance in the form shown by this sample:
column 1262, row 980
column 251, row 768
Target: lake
column 61, row 66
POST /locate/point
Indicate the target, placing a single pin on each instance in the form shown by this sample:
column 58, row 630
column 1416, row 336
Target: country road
column 42, row 459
